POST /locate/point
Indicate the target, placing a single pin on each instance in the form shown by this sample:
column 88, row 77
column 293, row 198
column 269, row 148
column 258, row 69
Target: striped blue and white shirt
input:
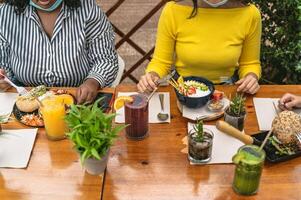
column 82, row 46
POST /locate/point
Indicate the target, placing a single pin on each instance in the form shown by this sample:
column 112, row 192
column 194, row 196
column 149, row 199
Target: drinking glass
column 136, row 117
column 249, row 162
column 53, row 115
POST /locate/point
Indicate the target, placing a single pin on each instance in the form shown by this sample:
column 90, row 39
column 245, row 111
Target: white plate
column 197, row 113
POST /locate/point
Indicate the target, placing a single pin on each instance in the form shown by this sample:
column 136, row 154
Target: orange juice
column 53, row 115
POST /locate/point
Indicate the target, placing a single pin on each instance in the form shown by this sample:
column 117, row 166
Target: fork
column 20, row 90
column 166, row 78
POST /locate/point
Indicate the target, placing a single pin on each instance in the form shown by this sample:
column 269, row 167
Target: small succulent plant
column 237, row 105
column 199, row 130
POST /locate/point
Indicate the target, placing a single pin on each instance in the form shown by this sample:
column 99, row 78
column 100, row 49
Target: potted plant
column 93, row 133
column 236, row 113
column 200, row 142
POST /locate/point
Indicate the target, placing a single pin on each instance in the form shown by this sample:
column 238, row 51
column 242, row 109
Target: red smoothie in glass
column 136, row 116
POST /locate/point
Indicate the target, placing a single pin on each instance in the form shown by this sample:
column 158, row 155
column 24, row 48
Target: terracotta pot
column 96, row 167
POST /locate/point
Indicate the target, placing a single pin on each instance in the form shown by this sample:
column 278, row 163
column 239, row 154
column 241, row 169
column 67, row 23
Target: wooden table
column 155, row 169
column 54, row 173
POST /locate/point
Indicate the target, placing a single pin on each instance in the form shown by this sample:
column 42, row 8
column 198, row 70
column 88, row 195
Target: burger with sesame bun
column 285, row 127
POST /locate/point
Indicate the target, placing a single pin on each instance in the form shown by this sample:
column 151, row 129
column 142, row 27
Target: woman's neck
column 202, row 4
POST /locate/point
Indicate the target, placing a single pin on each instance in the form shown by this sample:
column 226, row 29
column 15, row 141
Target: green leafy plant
column 91, row 130
column 199, row 130
column 237, row 105
column 281, row 41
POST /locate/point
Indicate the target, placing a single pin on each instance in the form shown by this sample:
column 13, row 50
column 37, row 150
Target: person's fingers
column 290, row 105
column 78, row 93
column 155, row 78
column 242, row 86
column 145, row 83
column 139, row 88
column 286, row 98
column 93, row 96
column 142, row 86
column 150, row 79
column 90, row 97
column 282, row 107
column 240, row 81
column 83, row 97
column 250, row 83
column 254, row 89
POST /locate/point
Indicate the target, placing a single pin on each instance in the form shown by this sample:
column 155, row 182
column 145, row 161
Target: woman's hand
column 249, row 84
column 148, row 82
column 289, row 101
column 3, row 84
column 87, row 92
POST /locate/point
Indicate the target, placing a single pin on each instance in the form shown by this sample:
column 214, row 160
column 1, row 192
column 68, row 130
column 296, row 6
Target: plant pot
column 200, row 152
column 235, row 121
column 96, row 167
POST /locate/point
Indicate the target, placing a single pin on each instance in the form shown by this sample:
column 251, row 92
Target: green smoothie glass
column 249, row 162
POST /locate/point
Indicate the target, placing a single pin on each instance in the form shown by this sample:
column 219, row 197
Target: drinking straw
column 270, row 132
column 266, row 139
column 152, row 94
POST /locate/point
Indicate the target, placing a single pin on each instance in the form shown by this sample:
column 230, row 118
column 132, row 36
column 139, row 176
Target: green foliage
column 199, row 130
column 237, row 105
column 91, row 130
column 2, row 119
column 281, row 41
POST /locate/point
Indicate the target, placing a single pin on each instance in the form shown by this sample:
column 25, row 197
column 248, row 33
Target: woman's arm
column 162, row 60
column 165, row 43
column 102, row 55
column 101, row 48
column 4, row 56
column 4, row 63
column 249, row 62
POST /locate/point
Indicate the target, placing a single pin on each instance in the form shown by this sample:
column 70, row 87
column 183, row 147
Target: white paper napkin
column 195, row 113
column 266, row 113
column 7, row 101
column 154, row 108
column 224, row 146
column 16, row 147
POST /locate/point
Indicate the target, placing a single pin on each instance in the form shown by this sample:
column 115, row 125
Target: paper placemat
column 195, row 113
column 224, row 146
column 7, row 101
column 154, row 107
column 265, row 112
column 16, row 147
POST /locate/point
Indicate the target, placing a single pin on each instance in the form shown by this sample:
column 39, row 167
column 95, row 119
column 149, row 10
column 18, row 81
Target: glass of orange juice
column 54, row 112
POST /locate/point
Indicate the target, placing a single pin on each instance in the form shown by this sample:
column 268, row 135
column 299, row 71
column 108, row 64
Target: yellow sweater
column 212, row 44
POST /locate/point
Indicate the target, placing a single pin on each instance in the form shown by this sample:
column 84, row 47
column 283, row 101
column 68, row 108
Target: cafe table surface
column 155, row 168
column 54, row 172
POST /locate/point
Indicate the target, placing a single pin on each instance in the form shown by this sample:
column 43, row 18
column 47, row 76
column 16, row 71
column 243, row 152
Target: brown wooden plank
column 114, row 7
column 140, row 23
column 131, row 42
column 138, row 63
column 156, row 169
